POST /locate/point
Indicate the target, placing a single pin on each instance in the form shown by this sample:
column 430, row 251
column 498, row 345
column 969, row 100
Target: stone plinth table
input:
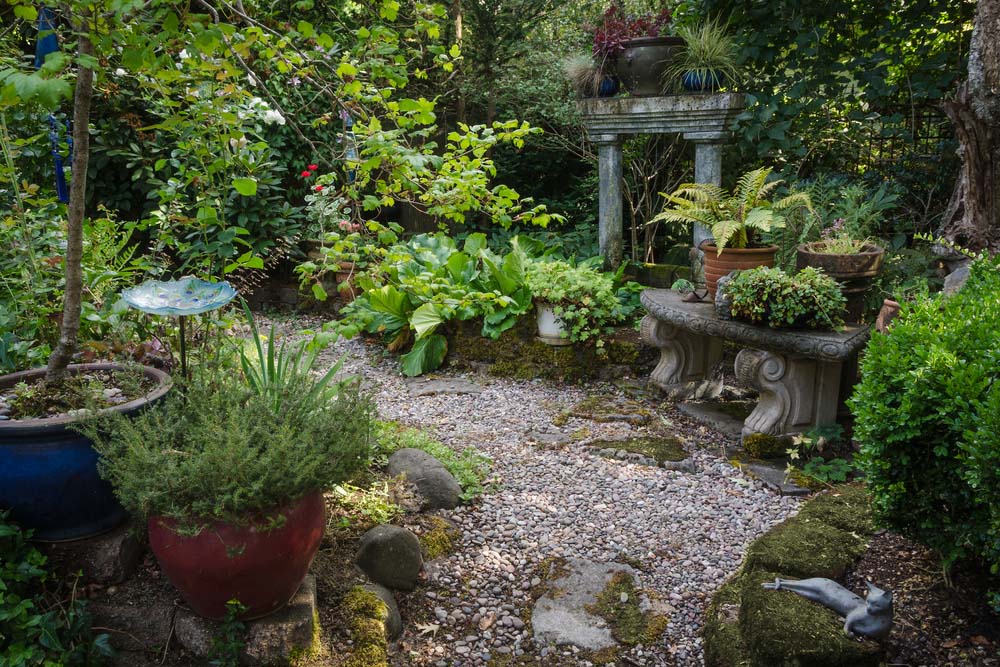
column 702, row 119
column 797, row 372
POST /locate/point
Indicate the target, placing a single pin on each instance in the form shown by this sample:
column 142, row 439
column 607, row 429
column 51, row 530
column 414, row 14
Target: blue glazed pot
column 609, row 87
column 48, row 473
column 698, row 83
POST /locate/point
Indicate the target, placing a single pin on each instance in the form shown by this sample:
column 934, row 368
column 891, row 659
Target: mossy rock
column 765, row 446
column 619, row 605
column 782, row 629
column 439, row 537
column 723, row 641
column 658, row 447
column 803, row 547
column 847, row 507
column 606, row 409
column 365, row 616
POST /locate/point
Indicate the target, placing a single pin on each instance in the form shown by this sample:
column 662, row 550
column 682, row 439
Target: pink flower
column 306, row 174
column 345, row 225
column 313, row 167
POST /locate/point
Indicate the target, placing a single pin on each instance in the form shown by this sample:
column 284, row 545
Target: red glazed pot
column 261, row 568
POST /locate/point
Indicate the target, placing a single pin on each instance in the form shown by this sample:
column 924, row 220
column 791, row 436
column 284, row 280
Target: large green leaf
column 427, row 355
column 426, row 319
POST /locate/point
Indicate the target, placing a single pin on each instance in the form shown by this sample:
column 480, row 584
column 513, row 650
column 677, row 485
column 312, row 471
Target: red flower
column 318, row 188
column 313, row 167
column 306, row 174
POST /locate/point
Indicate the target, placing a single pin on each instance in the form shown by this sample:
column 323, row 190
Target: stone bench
column 798, row 373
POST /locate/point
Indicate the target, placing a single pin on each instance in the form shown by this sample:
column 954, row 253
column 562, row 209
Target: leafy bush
column 34, row 631
column 470, row 467
column 810, row 298
column 927, row 417
column 221, row 450
column 583, row 298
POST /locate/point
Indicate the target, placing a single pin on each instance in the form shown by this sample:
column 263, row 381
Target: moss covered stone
column 765, row 446
column 619, row 605
column 723, row 641
column 847, row 507
column 783, row 628
column 606, row 409
column 659, row 448
column 805, row 547
column 518, row 354
column 366, row 616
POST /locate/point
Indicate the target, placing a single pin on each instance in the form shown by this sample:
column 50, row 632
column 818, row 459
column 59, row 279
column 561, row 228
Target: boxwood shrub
column 928, row 421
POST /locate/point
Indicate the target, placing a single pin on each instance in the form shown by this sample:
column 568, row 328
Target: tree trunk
column 70, row 326
column 460, row 111
column 972, row 219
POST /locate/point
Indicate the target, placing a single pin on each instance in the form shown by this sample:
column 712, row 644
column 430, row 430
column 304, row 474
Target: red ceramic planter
column 261, row 568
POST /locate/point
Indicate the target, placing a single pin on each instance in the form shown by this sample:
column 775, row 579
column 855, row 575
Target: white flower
column 237, row 144
column 271, row 116
column 183, row 55
column 120, row 72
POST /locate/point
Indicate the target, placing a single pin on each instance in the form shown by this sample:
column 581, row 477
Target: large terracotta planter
column 48, row 472
column 854, row 272
column 260, row 567
column 642, row 64
column 733, row 259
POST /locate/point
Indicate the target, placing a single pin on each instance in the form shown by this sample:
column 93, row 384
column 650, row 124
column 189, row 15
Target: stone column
column 609, row 167
column 707, row 169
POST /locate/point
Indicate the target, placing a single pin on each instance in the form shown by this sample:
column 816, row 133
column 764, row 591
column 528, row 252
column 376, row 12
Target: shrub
column 927, row 417
column 810, row 298
column 582, row 297
column 221, row 451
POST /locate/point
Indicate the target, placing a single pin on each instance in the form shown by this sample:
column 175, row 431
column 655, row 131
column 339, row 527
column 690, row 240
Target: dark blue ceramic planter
column 48, row 473
column 698, row 83
column 609, row 87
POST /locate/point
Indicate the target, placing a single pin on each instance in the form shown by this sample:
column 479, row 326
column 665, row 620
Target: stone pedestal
column 702, row 119
column 686, row 360
column 109, row 558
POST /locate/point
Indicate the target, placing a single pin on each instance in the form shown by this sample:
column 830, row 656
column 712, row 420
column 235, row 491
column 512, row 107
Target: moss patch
column 304, row 656
column 439, row 537
column 366, row 614
column 846, row 507
column 607, row 409
column 764, row 446
column 804, row 547
column 659, row 448
column 787, row 629
column 618, row 604
column 723, row 642
column 799, row 478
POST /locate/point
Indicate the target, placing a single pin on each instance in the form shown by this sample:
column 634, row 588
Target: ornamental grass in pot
column 737, row 220
column 708, row 61
column 229, row 475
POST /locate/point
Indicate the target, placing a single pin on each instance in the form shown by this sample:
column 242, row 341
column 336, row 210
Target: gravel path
column 685, row 532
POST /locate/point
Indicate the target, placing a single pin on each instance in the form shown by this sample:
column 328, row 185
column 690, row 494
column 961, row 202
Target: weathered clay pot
column 550, row 328
column 48, row 471
column 733, row 259
column 261, row 565
column 642, row 64
column 854, row 272
column 889, row 312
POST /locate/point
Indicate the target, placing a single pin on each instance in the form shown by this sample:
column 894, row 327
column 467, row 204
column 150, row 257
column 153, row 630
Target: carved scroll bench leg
column 796, row 393
column 685, row 360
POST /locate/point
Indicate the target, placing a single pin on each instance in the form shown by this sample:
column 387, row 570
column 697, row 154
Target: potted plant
column 588, row 78
column 708, row 61
column 230, row 475
column 635, row 47
column 735, row 218
column 573, row 303
column 767, row 295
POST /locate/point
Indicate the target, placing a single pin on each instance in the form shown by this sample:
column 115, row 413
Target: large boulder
column 438, row 487
column 390, row 556
column 393, row 621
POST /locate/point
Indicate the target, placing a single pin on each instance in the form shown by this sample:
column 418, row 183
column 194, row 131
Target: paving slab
column 424, row 386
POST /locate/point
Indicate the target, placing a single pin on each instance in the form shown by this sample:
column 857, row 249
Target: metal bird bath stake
column 184, row 297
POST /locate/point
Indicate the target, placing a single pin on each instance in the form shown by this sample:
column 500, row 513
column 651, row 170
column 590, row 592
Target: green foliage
column 583, row 298
column 220, row 450
column 810, row 298
column 426, row 282
column 36, row 631
column 734, row 217
column 926, row 419
column 827, row 471
column 470, row 467
column 230, row 638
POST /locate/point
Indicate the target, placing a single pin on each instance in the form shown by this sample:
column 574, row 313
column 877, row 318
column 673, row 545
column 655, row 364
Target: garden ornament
column 871, row 616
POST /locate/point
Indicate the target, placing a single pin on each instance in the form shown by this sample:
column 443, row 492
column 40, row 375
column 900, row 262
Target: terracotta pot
column 642, row 64
column 854, row 272
column 260, row 567
column 48, row 472
column 733, row 259
column 889, row 312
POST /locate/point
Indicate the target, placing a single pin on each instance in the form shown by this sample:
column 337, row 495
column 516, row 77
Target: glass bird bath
column 184, row 297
